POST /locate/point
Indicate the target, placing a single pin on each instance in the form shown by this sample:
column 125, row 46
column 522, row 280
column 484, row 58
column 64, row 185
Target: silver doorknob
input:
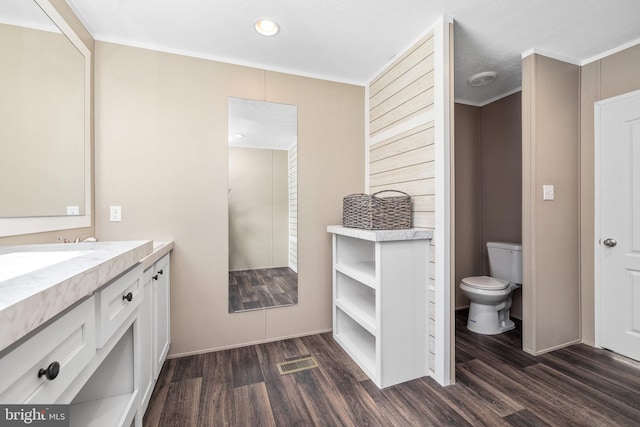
column 610, row 242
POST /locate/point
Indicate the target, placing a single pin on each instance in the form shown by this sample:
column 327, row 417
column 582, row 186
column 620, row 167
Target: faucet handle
column 86, row 239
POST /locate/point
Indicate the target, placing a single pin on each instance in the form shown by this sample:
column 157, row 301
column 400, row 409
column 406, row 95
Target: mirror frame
column 28, row 225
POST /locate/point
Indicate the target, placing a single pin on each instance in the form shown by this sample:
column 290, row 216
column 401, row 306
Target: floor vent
column 297, row 365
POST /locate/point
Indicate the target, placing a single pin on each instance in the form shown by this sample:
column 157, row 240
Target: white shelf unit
column 380, row 301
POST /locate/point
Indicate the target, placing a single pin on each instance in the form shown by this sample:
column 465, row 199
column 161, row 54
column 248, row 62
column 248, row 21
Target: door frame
column 597, row 251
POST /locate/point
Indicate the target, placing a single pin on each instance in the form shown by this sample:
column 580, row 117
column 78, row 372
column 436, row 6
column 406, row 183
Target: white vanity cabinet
column 145, row 319
column 154, row 316
column 101, row 352
column 42, row 367
column 161, row 311
column 380, row 317
column 107, row 392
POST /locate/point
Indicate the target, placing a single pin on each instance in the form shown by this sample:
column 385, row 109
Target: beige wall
column 53, row 236
column 606, row 78
column 468, row 198
column 551, row 288
column 162, row 156
column 488, row 185
column 258, row 208
column 501, row 151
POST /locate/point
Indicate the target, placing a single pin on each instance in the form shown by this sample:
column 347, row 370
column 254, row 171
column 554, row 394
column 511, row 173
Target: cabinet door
column 161, row 313
column 145, row 319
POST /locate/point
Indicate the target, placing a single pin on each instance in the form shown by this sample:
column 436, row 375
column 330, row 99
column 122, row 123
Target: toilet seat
column 485, row 283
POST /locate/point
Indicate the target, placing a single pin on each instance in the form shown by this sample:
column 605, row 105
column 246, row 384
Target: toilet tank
column 505, row 261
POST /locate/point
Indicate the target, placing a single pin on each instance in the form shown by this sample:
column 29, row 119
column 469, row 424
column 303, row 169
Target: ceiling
column 25, row 14
column 351, row 41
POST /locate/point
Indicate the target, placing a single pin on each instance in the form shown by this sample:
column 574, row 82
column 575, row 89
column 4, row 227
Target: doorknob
column 610, row 242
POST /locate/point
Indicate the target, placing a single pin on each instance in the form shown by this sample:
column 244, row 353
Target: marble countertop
column 160, row 249
column 382, row 235
column 29, row 300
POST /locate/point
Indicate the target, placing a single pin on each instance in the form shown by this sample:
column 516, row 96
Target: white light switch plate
column 547, row 192
column 115, row 213
column 73, row 210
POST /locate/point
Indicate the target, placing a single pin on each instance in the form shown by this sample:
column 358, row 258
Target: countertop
column 160, row 249
column 382, row 235
column 29, row 300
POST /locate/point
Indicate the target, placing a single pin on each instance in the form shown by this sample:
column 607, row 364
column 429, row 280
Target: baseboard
column 247, row 344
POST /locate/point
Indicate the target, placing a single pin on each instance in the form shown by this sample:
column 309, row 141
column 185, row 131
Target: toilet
column 490, row 297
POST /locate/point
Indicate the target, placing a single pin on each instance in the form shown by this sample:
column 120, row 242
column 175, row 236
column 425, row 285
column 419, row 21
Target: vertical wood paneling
column 293, row 208
column 405, row 159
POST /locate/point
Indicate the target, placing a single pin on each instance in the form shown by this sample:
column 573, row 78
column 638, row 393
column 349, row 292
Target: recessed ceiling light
column 266, row 27
column 482, row 79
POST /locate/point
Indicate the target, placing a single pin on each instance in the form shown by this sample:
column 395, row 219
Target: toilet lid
column 485, row 282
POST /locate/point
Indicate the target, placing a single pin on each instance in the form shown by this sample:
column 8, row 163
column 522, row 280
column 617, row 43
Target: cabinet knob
column 128, row 296
column 155, row 277
column 51, row 372
column 161, row 272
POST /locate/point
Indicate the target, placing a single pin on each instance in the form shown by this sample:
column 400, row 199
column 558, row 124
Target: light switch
column 547, row 192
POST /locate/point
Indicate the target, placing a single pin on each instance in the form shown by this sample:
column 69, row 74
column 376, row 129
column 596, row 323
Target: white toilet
column 490, row 297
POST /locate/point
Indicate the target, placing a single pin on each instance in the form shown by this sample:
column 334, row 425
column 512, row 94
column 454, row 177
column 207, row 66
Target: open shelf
column 110, row 397
column 100, row 413
column 356, row 300
column 357, row 342
column 380, row 312
column 362, row 271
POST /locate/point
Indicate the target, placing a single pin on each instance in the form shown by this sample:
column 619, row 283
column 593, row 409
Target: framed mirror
column 45, row 159
column 263, row 174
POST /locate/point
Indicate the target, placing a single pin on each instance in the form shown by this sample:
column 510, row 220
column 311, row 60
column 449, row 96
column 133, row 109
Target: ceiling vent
column 482, row 79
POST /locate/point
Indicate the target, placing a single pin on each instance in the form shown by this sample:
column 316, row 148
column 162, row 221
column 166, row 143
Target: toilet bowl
column 490, row 296
column 489, row 304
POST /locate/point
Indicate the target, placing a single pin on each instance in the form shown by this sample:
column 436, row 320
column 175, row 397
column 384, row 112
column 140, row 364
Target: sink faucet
column 86, row 239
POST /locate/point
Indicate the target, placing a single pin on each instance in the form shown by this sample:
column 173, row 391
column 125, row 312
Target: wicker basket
column 370, row 212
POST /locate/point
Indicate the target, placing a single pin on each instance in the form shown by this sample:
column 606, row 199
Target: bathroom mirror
column 45, row 174
column 262, row 205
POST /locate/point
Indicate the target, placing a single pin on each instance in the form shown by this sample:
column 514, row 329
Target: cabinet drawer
column 115, row 302
column 69, row 341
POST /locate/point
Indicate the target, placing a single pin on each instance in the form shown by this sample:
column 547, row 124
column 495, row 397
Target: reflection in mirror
column 263, row 175
column 44, row 120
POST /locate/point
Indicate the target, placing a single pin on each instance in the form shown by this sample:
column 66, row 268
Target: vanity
column 85, row 325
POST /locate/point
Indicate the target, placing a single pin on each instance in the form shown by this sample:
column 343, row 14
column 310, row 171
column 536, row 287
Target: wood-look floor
column 497, row 385
column 262, row 288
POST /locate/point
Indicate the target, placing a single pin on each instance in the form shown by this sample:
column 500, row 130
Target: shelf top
column 382, row 235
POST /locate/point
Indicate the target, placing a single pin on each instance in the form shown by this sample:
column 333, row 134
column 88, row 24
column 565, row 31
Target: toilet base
column 488, row 319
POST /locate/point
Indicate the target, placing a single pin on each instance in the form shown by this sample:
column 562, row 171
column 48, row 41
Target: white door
column 618, row 237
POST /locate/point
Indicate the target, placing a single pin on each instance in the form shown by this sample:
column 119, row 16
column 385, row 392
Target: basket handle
column 391, row 191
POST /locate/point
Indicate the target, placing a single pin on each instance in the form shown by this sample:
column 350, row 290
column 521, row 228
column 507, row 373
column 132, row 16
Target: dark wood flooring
column 262, row 288
column 497, row 385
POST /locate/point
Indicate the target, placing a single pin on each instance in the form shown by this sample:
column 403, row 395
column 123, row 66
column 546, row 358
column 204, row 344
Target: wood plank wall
column 401, row 143
column 293, row 208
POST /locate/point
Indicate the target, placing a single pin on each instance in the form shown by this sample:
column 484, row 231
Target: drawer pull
column 128, row 296
column 51, row 372
column 155, row 277
column 161, row 272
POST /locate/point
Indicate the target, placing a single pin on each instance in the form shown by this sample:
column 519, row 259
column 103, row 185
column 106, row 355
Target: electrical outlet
column 73, row 210
column 115, row 213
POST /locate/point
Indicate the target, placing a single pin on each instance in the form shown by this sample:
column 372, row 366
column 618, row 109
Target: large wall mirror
column 263, row 174
column 45, row 176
